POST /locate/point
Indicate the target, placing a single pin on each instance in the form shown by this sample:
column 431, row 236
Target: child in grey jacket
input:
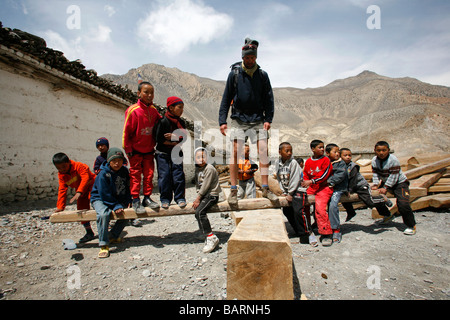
column 289, row 176
column 208, row 191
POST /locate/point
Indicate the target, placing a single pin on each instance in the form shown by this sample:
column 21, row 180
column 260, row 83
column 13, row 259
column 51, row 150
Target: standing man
column 249, row 92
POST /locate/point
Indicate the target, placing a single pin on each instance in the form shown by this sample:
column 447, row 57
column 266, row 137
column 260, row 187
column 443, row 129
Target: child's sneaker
column 87, row 237
column 387, row 219
column 148, row 202
column 410, row 231
column 137, row 207
column 211, row 243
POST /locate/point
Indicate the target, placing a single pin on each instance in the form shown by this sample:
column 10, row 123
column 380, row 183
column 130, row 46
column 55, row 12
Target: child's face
column 333, row 154
column 246, row 152
column 116, row 164
column 146, row 94
column 200, row 158
column 382, row 152
column 286, row 152
column 318, row 150
column 63, row 168
column 346, row 156
column 177, row 110
column 102, row 148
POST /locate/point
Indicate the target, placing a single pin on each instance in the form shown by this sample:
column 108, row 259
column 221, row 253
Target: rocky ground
column 162, row 260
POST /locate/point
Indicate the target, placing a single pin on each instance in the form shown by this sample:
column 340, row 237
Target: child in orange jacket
column 77, row 176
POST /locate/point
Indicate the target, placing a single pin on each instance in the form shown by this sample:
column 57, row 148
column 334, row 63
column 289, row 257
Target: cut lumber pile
column 259, row 264
column 429, row 178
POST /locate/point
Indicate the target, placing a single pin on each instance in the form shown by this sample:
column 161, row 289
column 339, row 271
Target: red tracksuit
column 81, row 179
column 138, row 139
column 318, row 171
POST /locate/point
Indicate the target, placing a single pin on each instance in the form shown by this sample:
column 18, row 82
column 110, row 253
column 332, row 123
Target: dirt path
column 162, row 259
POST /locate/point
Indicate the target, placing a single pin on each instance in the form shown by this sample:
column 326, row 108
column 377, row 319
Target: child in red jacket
column 77, row 176
column 139, row 145
column 316, row 171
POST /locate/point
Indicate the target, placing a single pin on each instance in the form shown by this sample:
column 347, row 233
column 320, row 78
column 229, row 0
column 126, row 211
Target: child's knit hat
column 173, row 101
column 114, row 153
column 102, row 140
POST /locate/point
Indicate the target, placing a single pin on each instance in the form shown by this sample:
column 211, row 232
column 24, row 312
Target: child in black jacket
column 357, row 184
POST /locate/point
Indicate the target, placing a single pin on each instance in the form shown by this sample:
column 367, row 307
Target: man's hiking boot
column 266, row 193
column 232, row 197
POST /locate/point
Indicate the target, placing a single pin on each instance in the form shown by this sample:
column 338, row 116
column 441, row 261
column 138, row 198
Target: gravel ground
column 162, row 260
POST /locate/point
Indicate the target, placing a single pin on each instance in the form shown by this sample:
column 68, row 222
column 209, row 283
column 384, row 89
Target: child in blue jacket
column 111, row 192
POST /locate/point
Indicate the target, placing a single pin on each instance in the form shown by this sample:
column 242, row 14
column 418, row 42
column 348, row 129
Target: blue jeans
column 171, row 179
column 333, row 210
column 103, row 217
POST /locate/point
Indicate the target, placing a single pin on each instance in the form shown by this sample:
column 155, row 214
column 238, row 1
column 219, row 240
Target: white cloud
column 109, row 10
column 101, row 34
column 177, row 25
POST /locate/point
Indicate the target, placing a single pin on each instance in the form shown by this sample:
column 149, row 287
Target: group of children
column 116, row 181
column 329, row 174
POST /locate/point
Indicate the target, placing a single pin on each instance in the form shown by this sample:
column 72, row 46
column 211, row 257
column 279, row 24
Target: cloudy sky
column 302, row 43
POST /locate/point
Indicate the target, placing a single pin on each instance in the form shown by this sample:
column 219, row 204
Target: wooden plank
column 440, row 201
column 237, row 216
column 244, row 204
column 428, row 168
column 259, row 264
column 427, row 180
column 439, row 188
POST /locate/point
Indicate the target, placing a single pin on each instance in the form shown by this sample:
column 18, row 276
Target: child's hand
column 75, row 197
column 58, row 210
column 306, row 183
column 382, row 190
column 196, row 203
column 374, row 187
column 289, row 198
column 171, row 137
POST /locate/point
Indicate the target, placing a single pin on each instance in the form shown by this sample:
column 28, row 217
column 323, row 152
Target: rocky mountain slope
column 354, row 112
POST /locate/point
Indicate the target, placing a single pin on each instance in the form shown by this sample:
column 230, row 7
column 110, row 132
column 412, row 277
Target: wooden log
column 428, row 168
column 440, row 201
column 259, row 264
column 273, row 183
column 244, row 204
column 427, row 180
column 237, row 216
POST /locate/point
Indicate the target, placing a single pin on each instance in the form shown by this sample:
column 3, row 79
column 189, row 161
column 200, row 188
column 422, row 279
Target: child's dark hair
column 315, row 143
column 330, row 146
column 382, row 144
column 144, row 83
column 60, row 158
column 283, row 144
column 344, row 149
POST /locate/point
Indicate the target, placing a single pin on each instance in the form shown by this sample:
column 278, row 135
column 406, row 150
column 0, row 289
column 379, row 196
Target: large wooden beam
column 245, row 204
column 259, row 264
column 428, row 168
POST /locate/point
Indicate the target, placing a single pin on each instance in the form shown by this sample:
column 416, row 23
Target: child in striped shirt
column 388, row 176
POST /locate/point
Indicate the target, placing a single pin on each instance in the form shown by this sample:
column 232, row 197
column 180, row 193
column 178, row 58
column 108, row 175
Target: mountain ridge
column 355, row 112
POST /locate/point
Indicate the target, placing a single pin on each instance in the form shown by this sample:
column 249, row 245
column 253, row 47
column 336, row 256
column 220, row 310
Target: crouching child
column 208, row 191
column 111, row 193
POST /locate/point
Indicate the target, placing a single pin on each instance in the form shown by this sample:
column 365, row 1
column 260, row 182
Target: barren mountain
column 354, row 112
